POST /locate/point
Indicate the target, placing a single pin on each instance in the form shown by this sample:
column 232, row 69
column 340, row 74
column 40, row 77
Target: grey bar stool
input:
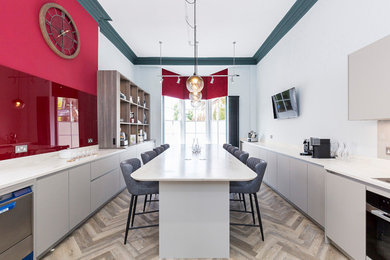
column 232, row 149
column 165, row 146
column 251, row 188
column 159, row 150
column 147, row 157
column 225, row 146
column 136, row 188
column 241, row 155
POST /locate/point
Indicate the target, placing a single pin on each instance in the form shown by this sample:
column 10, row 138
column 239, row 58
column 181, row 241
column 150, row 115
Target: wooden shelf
column 125, row 100
column 110, row 104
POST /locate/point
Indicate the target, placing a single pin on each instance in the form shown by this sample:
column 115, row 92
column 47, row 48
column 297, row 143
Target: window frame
column 208, row 115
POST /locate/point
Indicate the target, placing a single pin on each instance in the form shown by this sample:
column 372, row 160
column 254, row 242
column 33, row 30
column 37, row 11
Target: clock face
column 59, row 30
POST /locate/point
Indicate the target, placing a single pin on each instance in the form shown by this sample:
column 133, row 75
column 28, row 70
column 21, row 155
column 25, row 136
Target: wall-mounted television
column 285, row 104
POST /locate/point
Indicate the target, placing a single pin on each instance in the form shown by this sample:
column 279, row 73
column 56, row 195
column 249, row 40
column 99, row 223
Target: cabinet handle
column 8, row 207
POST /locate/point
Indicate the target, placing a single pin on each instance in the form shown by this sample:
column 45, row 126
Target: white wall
column 244, row 86
column 110, row 58
column 313, row 57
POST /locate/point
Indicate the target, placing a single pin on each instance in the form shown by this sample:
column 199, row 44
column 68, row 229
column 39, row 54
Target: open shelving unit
column 122, row 107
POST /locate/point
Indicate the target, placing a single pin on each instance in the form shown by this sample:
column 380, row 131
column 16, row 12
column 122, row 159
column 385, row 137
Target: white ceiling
column 142, row 24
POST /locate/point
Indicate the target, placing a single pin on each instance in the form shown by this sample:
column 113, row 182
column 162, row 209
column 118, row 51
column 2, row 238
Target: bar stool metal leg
column 252, row 209
column 243, row 199
column 259, row 216
column 128, row 218
column 134, row 207
column 145, row 200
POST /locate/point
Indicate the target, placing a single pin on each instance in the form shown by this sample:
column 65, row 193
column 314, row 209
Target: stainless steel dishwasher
column 16, row 241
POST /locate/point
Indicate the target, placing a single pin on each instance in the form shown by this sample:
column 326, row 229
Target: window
column 172, row 120
column 218, row 121
column 182, row 122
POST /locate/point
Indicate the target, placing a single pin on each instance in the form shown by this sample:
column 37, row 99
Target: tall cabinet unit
column 123, row 108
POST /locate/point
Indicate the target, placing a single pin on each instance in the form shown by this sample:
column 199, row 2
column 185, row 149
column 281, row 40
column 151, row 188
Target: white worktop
column 363, row 169
column 20, row 170
column 178, row 163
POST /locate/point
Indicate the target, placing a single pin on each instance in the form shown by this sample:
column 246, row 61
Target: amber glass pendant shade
column 18, row 103
column 195, row 84
column 195, row 96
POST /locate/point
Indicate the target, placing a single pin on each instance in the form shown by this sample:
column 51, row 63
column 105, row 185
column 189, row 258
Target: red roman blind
column 219, row 88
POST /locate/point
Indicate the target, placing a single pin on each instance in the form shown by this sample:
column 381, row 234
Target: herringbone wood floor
column 288, row 234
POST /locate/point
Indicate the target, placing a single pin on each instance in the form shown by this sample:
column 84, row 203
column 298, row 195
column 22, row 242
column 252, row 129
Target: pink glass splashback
column 30, row 115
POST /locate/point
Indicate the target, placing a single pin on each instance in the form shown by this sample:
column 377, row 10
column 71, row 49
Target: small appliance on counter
column 307, row 149
column 124, row 141
column 316, row 147
column 252, row 137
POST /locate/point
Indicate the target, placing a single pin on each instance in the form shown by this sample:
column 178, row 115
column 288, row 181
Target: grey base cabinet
column 316, row 193
column 345, row 214
column 298, row 184
column 102, row 189
column 79, row 194
column 283, row 184
column 52, row 211
column 272, row 169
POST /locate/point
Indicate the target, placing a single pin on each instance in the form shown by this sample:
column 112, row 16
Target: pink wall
column 23, row 48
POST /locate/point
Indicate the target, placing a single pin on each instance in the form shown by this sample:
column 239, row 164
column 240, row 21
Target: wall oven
column 377, row 226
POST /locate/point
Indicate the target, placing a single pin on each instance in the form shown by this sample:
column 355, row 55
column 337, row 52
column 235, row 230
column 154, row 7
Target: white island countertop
column 24, row 169
column 364, row 169
column 178, row 163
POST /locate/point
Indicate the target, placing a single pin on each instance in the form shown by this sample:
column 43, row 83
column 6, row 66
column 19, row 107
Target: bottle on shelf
column 132, row 119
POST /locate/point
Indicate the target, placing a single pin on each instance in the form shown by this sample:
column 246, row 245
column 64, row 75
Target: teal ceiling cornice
column 190, row 61
column 296, row 12
column 95, row 10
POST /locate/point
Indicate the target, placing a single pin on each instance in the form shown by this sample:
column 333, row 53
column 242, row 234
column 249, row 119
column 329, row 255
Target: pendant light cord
column 195, row 43
column 160, row 42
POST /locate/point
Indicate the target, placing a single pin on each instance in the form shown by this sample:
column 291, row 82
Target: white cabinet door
column 368, row 82
column 345, row 214
column 79, row 194
column 251, row 149
column 102, row 166
column 130, row 152
column 298, row 184
column 52, row 210
column 103, row 188
column 316, row 193
column 272, row 169
column 283, row 180
column 263, row 156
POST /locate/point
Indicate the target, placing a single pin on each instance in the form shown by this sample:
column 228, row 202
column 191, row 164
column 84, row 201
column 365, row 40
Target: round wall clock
column 59, row 30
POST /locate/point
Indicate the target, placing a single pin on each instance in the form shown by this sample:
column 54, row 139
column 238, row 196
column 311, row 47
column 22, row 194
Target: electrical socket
column 388, row 150
column 90, row 140
column 21, row 148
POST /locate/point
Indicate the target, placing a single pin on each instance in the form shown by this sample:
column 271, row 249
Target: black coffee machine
column 316, row 147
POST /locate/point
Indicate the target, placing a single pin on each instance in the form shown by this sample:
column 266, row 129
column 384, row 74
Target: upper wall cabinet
column 369, row 82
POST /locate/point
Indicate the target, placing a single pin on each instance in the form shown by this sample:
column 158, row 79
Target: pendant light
column 18, row 103
column 195, row 83
column 195, row 96
column 196, row 104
